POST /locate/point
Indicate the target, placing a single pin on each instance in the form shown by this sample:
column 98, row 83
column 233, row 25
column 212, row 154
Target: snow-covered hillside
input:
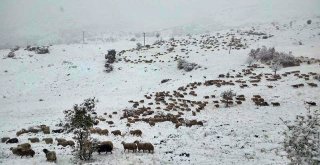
column 36, row 88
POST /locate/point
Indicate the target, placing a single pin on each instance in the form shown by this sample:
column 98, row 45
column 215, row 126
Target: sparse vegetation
column 302, row 139
column 79, row 120
column 276, row 67
column 270, row 55
column 187, row 66
column 228, row 97
column 139, row 46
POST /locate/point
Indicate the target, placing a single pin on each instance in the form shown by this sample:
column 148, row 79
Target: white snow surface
column 241, row 134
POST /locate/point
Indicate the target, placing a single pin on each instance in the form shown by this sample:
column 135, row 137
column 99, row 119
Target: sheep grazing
column 57, row 130
column 104, row 132
column 275, row 104
column 45, row 129
column 4, row 139
column 34, row 140
column 26, row 153
column 17, row 150
column 21, row 132
column 129, row 146
column 50, row 155
column 60, row 140
column 48, row 140
column 136, row 132
column 66, row 143
column 311, row 103
column 144, row 146
column 13, row 140
column 116, row 132
column 107, row 142
column 105, row 147
column 14, row 150
column 22, row 152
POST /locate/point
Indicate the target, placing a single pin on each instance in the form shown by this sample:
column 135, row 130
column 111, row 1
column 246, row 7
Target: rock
column 11, row 54
column 42, row 50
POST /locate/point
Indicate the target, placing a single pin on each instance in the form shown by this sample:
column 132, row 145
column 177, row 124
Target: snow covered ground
column 241, row 134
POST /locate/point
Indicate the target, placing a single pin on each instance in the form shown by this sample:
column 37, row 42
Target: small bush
column 42, row 50
column 111, row 56
column 276, row 67
column 157, row 35
column 228, row 96
column 139, row 46
column 183, row 64
column 11, row 54
column 108, row 67
column 302, row 139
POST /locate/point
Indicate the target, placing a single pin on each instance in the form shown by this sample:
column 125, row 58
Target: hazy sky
column 41, row 21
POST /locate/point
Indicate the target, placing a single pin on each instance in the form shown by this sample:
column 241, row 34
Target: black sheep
column 57, row 130
column 13, row 140
column 104, row 148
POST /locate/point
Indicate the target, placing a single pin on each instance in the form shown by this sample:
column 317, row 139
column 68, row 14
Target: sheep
column 105, row 148
column 50, row 155
column 48, row 140
column 116, row 132
column 22, row 152
column 34, row 140
column 104, row 132
column 66, row 143
column 22, row 131
column 45, row 129
column 57, row 130
column 13, row 140
column 60, row 140
column 107, row 142
column 97, row 130
column 24, row 146
column 129, row 146
column 311, row 103
column 275, row 104
column 4, row 139
column 33, row 130
column 136, row 132
column 144, row 146
column 14, row 150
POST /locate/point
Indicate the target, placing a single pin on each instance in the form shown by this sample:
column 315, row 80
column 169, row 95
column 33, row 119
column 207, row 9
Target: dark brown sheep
column 136, row 132
column 48, row 140
column 144, row 146
column 50, row 155
column 116, row 132
column 34, row 140
column 129, row 146
column 23, row 152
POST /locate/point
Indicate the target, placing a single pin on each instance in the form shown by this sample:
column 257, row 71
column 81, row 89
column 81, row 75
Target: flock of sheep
column 105, row 146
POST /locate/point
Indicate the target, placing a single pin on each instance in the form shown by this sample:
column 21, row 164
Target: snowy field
column 35, row 89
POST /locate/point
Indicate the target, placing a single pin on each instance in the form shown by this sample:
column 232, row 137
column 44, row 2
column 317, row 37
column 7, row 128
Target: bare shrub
column 276, row 67
column 228, row 96
column 187, row 66
column 302, row 141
